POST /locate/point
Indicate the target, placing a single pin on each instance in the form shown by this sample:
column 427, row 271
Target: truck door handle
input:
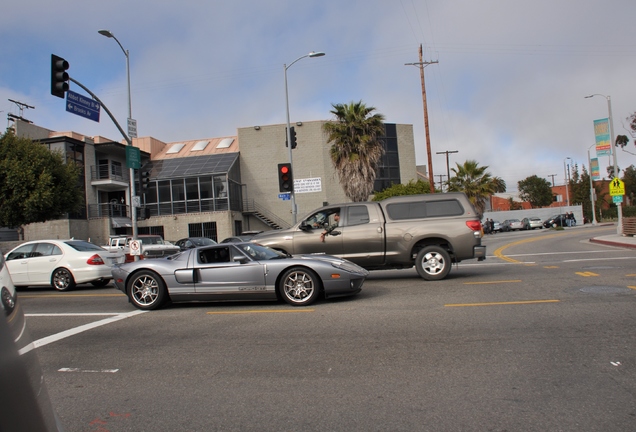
column 379, row 229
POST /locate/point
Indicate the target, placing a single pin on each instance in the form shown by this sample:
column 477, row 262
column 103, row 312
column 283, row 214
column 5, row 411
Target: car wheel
column 62, row 279
column 147, row 290
column 100, row 283
column 433, row 263
column 299, row 286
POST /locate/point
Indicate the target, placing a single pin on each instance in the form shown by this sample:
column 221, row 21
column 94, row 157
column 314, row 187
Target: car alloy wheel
column 62, row 280
column 299, row 286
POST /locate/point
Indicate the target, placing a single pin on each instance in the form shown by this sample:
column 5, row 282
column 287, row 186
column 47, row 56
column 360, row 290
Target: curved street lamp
column 289, row 147
column 619, row 207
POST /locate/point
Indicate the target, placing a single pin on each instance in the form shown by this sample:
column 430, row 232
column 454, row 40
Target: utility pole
column 447, row 165
column 422, row 64
column 441, row 182
column 553, row 176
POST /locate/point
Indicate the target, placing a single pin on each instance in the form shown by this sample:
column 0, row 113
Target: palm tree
column 476, row 183
column 355, row 150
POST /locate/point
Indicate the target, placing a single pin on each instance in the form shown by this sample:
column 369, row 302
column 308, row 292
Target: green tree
column 475, row 182
column 629, row 177
column 535, row 190
column 411, row 188
column 355, row 147
column 36, row 184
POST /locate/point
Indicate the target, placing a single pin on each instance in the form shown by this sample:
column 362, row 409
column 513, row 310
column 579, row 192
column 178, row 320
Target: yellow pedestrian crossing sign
column 617, row 187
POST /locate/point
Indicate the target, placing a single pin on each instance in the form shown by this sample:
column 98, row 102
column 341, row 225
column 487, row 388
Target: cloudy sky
column 508, row 89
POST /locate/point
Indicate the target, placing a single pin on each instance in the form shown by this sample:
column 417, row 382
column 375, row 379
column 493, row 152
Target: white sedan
column 61, row 263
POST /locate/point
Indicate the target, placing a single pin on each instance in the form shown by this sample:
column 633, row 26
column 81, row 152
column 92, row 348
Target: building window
column 205, row 229
column 388, row 172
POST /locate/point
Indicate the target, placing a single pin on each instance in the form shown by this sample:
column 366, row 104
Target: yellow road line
column 499, row 252
column 502, row 303
column 550, row 267
column 260, row 311
column 632, row 287
column 68, row 295
column 586, row 274
column 492, row 282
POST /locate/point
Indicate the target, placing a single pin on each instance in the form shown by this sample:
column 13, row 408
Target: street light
column 289, row 146
column 619, row 207
column 133, row 209
column 592, row 194
column 567, row 183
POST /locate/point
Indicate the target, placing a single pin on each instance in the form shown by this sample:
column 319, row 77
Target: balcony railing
column 109, row 172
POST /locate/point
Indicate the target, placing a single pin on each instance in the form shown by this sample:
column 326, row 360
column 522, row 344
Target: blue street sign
column 285, row 196
column 82, row 106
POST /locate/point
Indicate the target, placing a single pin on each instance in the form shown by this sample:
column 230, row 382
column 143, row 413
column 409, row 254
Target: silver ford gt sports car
column 237, row 271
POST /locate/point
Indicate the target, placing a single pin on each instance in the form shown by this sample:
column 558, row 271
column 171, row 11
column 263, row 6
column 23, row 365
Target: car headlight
column 8, row 300
column 348, row 266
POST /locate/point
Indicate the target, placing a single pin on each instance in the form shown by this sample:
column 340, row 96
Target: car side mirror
column 240, row 259
column 335, row 233
column 304, row 226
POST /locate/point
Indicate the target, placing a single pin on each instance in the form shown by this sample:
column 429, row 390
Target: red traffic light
column 285, row 182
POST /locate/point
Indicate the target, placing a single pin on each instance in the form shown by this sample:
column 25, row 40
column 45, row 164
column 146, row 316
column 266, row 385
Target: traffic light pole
column 133, row 209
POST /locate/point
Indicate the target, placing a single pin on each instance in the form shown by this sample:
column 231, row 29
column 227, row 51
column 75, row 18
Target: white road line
column 76, row 330
column 72, row 314
column 88, row 370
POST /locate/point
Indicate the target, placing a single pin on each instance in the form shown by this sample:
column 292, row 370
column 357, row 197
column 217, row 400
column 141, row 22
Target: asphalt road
column 539, row 337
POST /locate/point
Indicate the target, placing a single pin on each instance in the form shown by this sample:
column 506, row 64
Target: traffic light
column 292, row 136
column 285, row 180
column 144, row 179
column 59, row 76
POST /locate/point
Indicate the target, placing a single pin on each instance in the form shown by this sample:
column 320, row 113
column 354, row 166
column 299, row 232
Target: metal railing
column 251, row 206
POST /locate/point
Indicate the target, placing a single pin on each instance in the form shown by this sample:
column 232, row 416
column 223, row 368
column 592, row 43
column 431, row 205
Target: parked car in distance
column 496, row 226
column 511, row 225
column 192, row 242
column 245, row 236
column 532, row 223
column 555, row 221
column 61, row 263
column 237, row 271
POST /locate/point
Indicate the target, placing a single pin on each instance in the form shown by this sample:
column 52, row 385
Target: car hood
column 334, row 261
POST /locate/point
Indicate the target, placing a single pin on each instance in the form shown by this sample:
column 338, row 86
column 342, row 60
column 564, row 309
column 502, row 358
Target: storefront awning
column 121, row 222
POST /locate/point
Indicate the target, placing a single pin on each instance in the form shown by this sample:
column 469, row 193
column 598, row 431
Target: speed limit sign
column 135, row 247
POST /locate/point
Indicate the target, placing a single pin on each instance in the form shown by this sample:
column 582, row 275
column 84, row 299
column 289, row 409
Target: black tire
column 433, row 263
column 62, row 279
column 299, row 286
column 100, row 283
column 146, row 290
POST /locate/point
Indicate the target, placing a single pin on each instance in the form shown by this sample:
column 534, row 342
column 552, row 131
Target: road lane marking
column 72, row 314
column 499, row 252
column 88, row 370
column 76, row 330
column 501, row 303
column 587, row 274
column 631, row 287
column 68, row 295
column 255, row 311
column 551, row 267
column 492, row 282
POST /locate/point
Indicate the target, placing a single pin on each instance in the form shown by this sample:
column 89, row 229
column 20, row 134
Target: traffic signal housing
column 285, row 180
column 292, row 137
column 59, row 76
column 144, row 179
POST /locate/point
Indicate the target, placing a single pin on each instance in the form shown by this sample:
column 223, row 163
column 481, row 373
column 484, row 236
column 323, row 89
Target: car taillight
column 95, row 260
column 474, row 225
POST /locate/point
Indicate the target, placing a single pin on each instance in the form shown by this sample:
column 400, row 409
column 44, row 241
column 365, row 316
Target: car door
column 308, row 240
column 362, row 235
column 219, row 274
column 18, row 264
column 46, row 257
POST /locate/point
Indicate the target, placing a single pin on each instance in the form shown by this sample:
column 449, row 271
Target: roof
column 200, row 147
column 191, row 167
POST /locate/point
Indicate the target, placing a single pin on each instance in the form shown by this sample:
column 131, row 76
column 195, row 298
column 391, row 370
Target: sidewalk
column 628, row 242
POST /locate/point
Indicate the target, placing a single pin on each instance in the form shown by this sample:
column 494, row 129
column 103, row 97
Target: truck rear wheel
column 433, row 263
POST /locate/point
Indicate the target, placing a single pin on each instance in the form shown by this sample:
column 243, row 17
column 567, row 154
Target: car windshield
column 202, row 241
column 259, row 252
column 83, row 246
column 151, row 240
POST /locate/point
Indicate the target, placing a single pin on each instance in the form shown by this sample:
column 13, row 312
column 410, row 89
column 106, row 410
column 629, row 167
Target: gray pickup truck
column 429, row 232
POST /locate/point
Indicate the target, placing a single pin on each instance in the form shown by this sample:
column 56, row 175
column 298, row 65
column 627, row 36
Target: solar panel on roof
column 192, row 166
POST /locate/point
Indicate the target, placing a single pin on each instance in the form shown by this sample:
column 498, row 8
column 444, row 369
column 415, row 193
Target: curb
column 613, row 243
